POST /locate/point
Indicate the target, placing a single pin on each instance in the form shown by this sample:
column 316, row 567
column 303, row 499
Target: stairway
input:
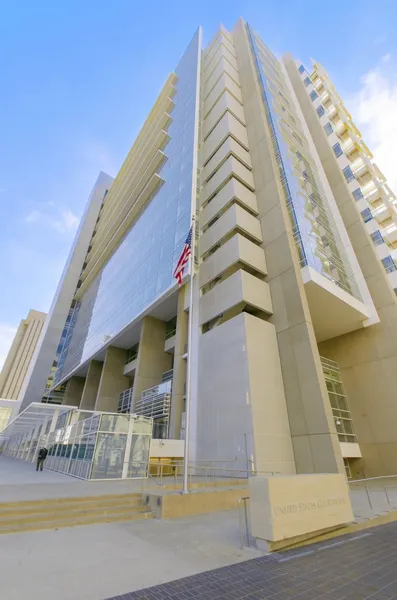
column 69, row 512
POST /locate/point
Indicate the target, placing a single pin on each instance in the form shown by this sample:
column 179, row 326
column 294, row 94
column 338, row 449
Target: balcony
column 333, row 310
column 340, row 127
column 381, row 213
column 359, row 167
column 169, row 343
column 349, row 147
column 332, row 111
column 390, row 233
column 324, row 96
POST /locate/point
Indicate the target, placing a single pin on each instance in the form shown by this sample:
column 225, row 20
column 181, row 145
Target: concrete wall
column 73, row 392
column 112, row 381
column 152, row 360
column 243, row 414
column 91, row 385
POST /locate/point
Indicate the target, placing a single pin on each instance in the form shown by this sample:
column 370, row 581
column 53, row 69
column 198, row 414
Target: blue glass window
column 357, row 194
column 366, row 215
column 141, row 269
column 313, row 95
column 320, row 110
column 389, row 264
column 328, row 128
column 301, row 69
column 348, row 173
column 307, row 81
column 337, row 149
column 377, row 238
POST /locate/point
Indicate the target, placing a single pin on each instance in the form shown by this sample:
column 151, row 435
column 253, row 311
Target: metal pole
column 185, row 487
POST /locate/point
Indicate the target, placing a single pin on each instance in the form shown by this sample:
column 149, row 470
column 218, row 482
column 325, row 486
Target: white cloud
column 7, row 333
column 374, row 109
column 63, row 221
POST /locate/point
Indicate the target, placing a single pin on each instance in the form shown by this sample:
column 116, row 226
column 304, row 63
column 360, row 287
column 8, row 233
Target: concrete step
column 18, row 508
column 70, row 512
column 75, row 513
column 67, row 500
column 74, row 522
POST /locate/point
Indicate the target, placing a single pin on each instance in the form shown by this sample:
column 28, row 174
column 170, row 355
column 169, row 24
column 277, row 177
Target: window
column 328, row 128
column 389, row 264
column 313, row 95
column 301, row 69
column 307, row 81
column 337, row 149
column 348, row 173
column 377, row 238
column 320, row 110
column 366, row 215
column 357, row 194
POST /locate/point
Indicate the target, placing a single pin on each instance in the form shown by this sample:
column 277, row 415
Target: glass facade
column 91, row 445
column 316, row 235
column 141, row 269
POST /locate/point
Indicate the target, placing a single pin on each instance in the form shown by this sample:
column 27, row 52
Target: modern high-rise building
column 20, row 355
column 294, row 347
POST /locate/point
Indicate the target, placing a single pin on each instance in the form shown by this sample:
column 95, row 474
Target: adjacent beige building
column 294, row 343
column 20, row 354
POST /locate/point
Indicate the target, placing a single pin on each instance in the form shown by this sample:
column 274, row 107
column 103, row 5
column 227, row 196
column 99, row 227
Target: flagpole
column 185, row 489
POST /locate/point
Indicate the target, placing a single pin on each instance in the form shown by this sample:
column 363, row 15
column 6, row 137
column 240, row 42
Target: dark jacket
column 43, row 453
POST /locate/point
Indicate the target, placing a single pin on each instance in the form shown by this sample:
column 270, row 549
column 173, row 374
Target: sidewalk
column 357, row 567
column 20, row 481
column 97, row 561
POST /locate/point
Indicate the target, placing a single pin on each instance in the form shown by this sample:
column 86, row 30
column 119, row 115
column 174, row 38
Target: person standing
column 41, row 458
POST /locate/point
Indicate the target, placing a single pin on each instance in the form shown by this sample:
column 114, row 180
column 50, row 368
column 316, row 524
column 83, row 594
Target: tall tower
column 294, row 344
column 20, row 355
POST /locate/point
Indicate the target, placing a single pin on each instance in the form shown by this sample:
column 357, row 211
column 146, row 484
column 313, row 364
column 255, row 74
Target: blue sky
column 79, row 77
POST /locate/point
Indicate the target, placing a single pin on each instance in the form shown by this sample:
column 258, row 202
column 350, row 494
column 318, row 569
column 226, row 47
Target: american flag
column 184, row 257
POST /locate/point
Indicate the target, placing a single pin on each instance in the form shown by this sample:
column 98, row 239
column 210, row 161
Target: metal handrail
column 240, row 500
column 372, row 478
column 366, row 480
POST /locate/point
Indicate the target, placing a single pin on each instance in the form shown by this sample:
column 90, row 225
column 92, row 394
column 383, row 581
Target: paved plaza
column 356, row 567
column 195, row 557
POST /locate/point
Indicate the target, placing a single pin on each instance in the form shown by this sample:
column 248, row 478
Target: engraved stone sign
column 284, row 507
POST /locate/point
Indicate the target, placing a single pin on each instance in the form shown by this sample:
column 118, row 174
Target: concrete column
column 91, row 385
column 74, row 390
column 112, row 381
column 179, row 375
column 152, row 360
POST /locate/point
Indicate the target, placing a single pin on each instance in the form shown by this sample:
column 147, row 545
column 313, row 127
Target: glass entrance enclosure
column 86, row 444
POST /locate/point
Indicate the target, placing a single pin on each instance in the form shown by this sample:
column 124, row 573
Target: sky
column 78, row 79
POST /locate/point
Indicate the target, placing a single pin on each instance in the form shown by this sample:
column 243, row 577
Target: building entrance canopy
column 35, row 414
column 84, row 444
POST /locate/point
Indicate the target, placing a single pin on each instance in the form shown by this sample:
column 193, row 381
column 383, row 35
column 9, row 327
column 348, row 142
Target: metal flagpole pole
column 185, row 489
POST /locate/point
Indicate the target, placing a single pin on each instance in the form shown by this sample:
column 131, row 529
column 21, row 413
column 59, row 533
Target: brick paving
column 361, row 566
